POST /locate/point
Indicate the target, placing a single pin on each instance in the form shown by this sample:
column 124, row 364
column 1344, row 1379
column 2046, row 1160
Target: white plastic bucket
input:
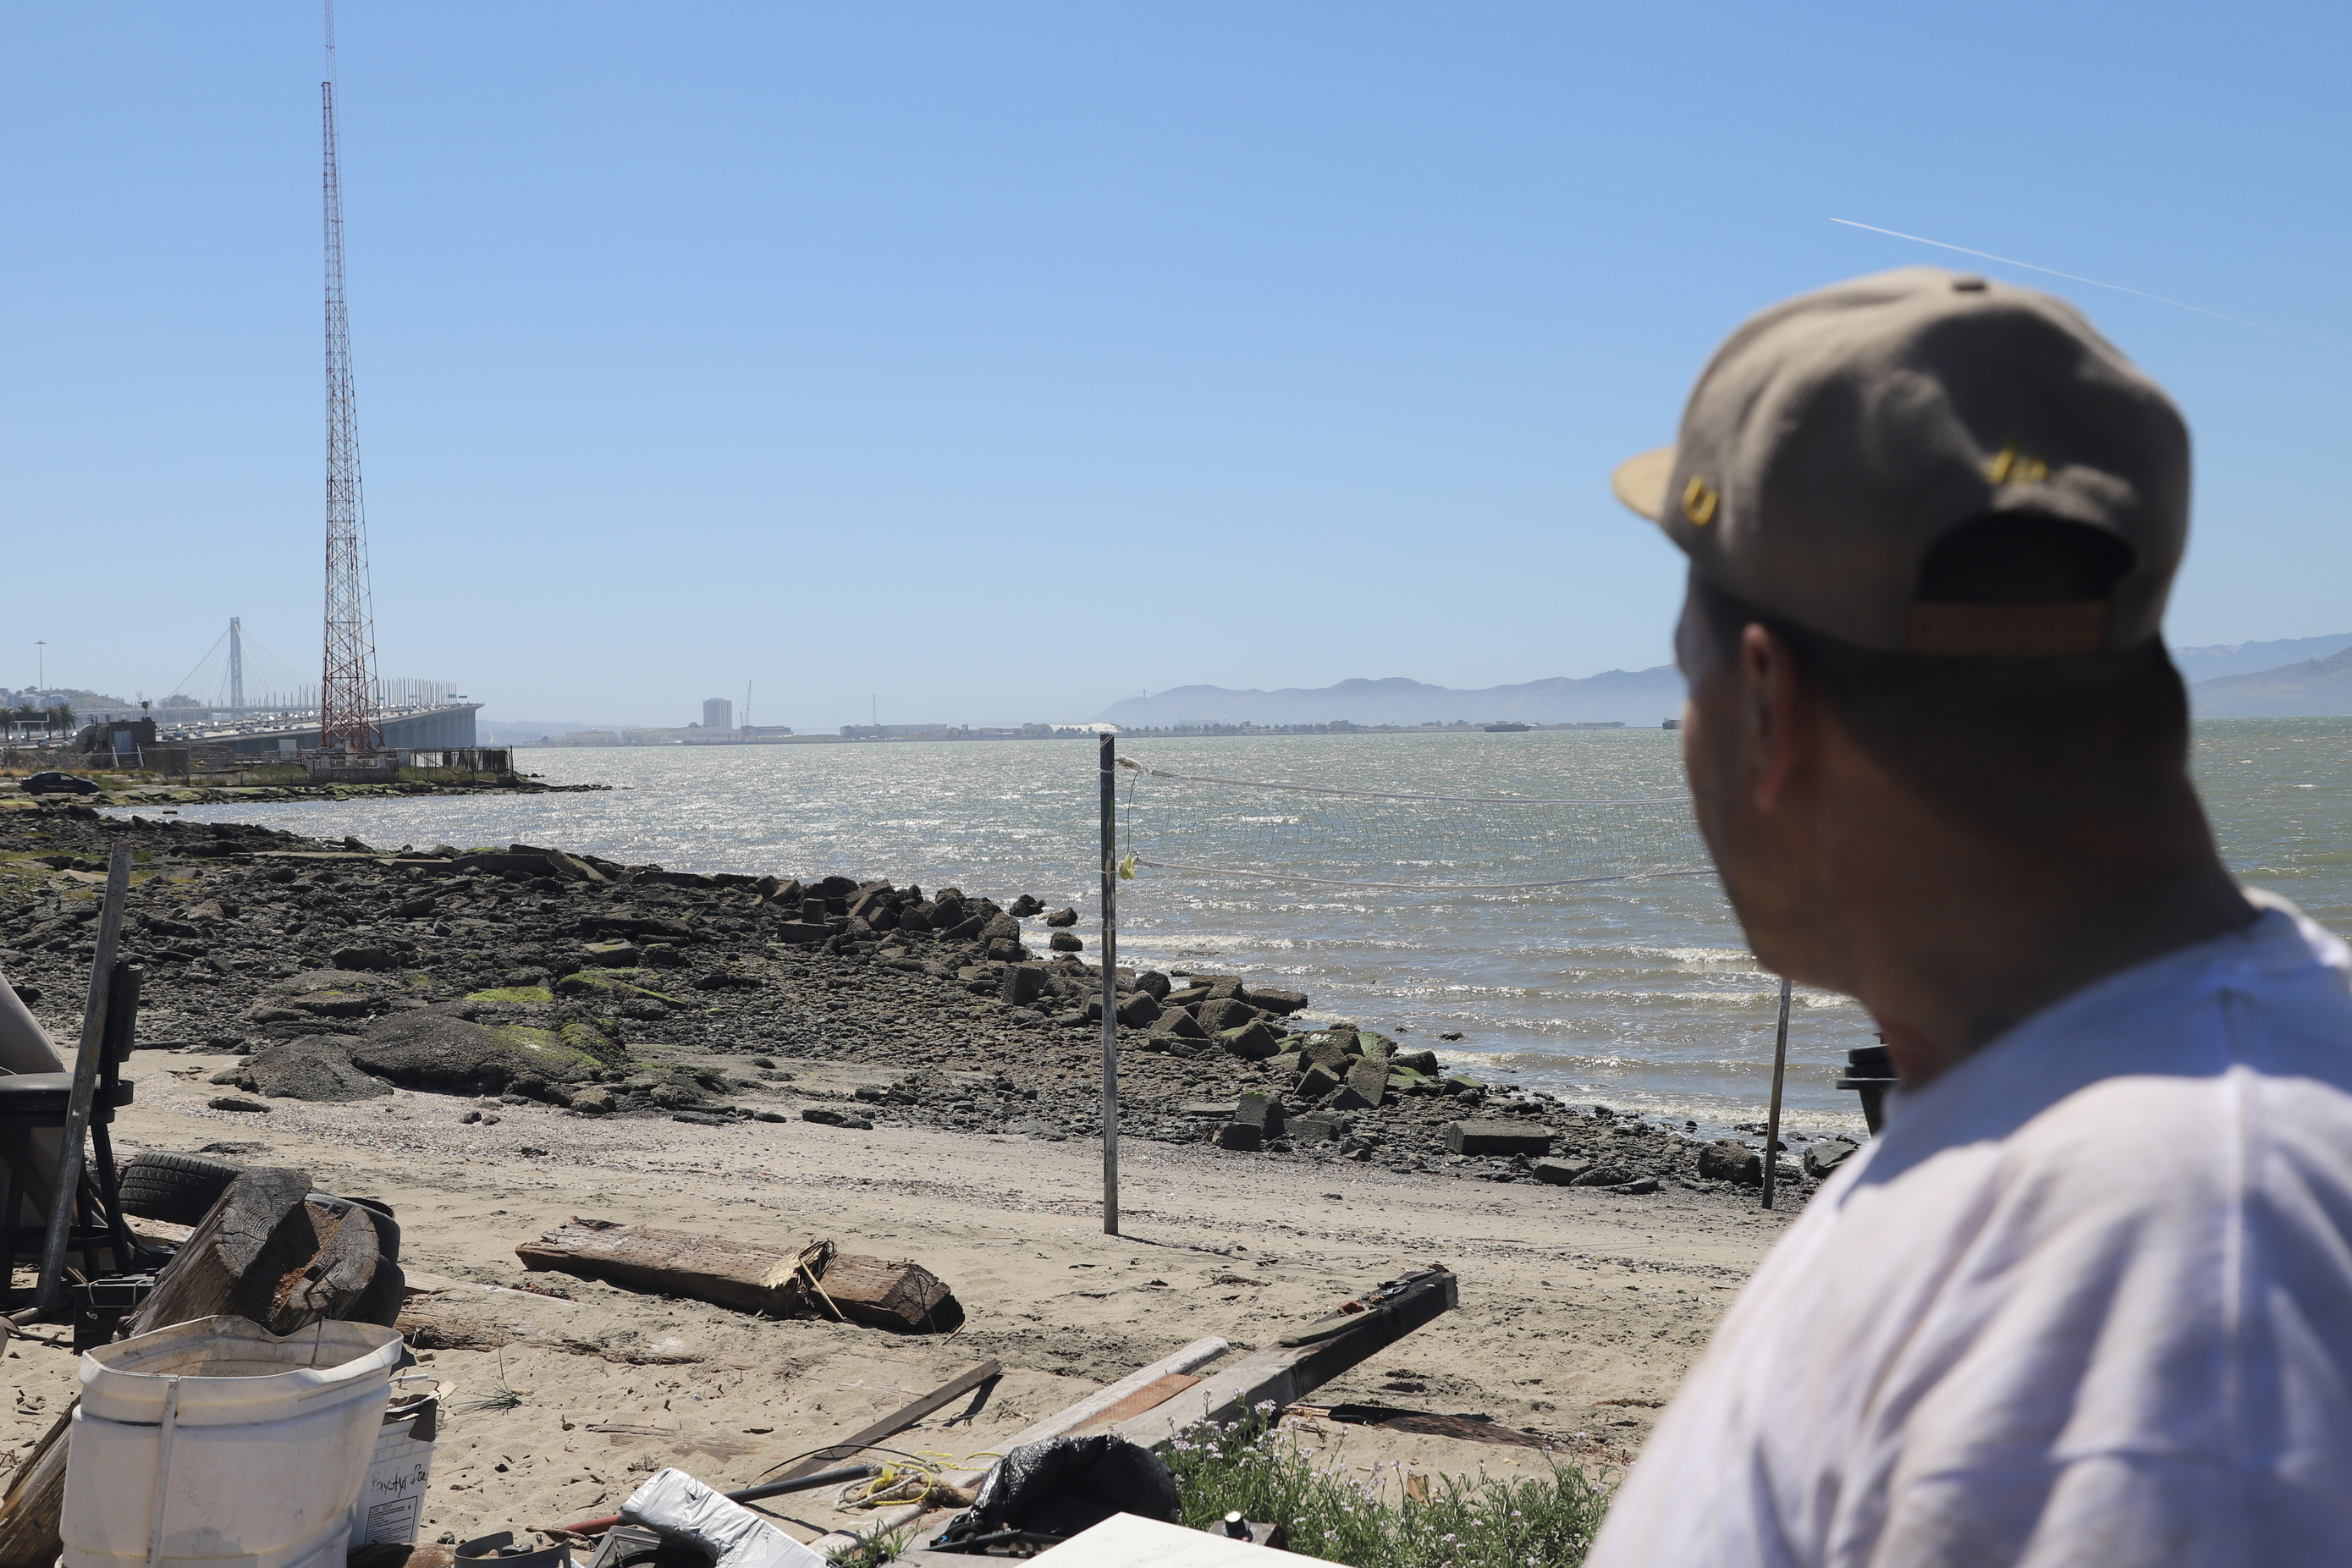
column 214, row 1444
column 392, row 1495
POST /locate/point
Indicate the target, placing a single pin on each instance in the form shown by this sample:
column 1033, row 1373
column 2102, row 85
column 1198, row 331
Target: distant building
column 718, row 712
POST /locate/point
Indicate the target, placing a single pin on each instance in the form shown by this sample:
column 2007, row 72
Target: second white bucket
column 216, row 1443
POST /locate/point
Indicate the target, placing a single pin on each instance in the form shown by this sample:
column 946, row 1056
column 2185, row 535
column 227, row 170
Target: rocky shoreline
column 524, row 973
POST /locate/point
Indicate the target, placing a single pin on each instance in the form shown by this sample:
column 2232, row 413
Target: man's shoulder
column 2168, row 1039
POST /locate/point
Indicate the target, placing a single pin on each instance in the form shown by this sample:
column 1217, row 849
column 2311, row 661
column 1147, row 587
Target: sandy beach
column 1578, row 1309
column 880, row 1089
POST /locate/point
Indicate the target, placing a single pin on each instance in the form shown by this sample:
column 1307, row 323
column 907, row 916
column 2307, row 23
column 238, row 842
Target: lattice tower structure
column 347, row 690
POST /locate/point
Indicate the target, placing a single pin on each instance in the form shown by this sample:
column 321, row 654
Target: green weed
column 1443, row 1521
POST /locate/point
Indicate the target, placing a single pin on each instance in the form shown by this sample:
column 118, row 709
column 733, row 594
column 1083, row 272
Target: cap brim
column 1641, row 482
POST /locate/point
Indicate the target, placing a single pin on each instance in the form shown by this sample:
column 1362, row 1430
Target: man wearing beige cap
column 2087, row 1300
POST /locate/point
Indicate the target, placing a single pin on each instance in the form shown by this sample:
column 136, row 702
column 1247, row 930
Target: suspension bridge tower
column 347, row 715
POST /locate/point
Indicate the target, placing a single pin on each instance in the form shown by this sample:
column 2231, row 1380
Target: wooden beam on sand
column 1359, row 1329
column 750, row 1276
column 1072, row 1418
column 1305, row 1361
column 747, row 1275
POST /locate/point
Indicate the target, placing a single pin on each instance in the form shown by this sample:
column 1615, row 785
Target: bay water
column 1637, row 993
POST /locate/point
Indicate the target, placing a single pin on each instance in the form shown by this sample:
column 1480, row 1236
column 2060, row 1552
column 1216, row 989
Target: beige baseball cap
column 1835, row 438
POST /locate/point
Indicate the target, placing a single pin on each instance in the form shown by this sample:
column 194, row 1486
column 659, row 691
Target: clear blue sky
column 1009, row 359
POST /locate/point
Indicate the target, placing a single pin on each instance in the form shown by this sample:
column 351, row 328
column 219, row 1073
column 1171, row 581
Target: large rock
column 1326, row 1050
column 1178, row 1022
column 1138, row 1009
column 1497, row 1137
column 1263, row 1111
column 1284, row 1003
column 1220, row 1014
column 1062, row 917
column 1370, row 1078
column 1319, row 1128
column 1023, row 984
column 439, row 1051
column 1252, row 1041
column 1827, row 1156
column 1318, row 1080
column 625, row 923
column 315, row 1067
column 1728, row 1159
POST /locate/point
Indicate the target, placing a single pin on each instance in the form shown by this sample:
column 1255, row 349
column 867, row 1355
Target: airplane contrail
column 2071, row 278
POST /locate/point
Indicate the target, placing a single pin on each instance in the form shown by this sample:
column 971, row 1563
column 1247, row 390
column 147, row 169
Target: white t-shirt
column 2087, row 1300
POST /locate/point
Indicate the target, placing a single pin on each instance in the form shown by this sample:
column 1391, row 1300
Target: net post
column 1109, row 985
column 1772, row 1119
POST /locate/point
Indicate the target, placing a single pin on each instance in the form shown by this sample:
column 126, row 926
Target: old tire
column 180, row 1189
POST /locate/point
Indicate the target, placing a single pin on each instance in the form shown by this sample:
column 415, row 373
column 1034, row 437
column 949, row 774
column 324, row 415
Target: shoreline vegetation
column 338, row 970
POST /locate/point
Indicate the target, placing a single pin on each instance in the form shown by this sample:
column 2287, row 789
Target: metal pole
column 1772, row 1120
column 52, row 1293
column 1109, row 986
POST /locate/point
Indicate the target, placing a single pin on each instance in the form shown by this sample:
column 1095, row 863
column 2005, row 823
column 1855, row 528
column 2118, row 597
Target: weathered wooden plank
column 894, row 1295
column 749, row 1275
column 34, row 1506
column 1150, row 1396
column 1279, row 1376
column 1068, row 1419
column 898, row 1421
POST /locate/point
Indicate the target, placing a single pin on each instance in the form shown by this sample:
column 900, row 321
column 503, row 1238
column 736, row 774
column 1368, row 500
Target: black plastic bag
column 1065, row 1485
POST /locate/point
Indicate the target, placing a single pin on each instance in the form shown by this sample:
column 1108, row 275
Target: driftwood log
column 266, row 1252
column 741, row 1274
column 788, row 1281
column 893, row 1295
column 35, row 1503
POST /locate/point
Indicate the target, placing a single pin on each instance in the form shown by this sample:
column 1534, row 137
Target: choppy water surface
column 1639, row 994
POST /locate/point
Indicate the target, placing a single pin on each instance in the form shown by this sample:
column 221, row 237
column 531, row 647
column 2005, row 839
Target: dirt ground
column 1580, row 1310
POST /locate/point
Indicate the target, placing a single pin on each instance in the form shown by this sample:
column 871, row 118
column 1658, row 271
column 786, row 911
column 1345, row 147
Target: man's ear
column 1778, row 709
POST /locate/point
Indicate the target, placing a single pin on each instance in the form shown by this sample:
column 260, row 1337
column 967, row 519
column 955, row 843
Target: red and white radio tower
column 347, row 693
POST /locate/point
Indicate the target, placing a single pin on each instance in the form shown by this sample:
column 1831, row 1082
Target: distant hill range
column 2313, row 686
column 2283, row 677
column 1628, row 696
column 2252, row 658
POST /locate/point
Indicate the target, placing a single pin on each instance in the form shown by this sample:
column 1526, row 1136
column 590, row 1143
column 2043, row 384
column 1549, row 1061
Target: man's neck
column 1956, row 941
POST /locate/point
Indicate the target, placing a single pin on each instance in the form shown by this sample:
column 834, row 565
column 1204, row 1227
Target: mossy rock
column 439, row 1051
column 621, row 983
column 530, row 996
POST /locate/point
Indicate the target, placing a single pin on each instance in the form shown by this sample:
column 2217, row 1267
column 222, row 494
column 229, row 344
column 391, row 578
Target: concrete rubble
column 526, row 973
